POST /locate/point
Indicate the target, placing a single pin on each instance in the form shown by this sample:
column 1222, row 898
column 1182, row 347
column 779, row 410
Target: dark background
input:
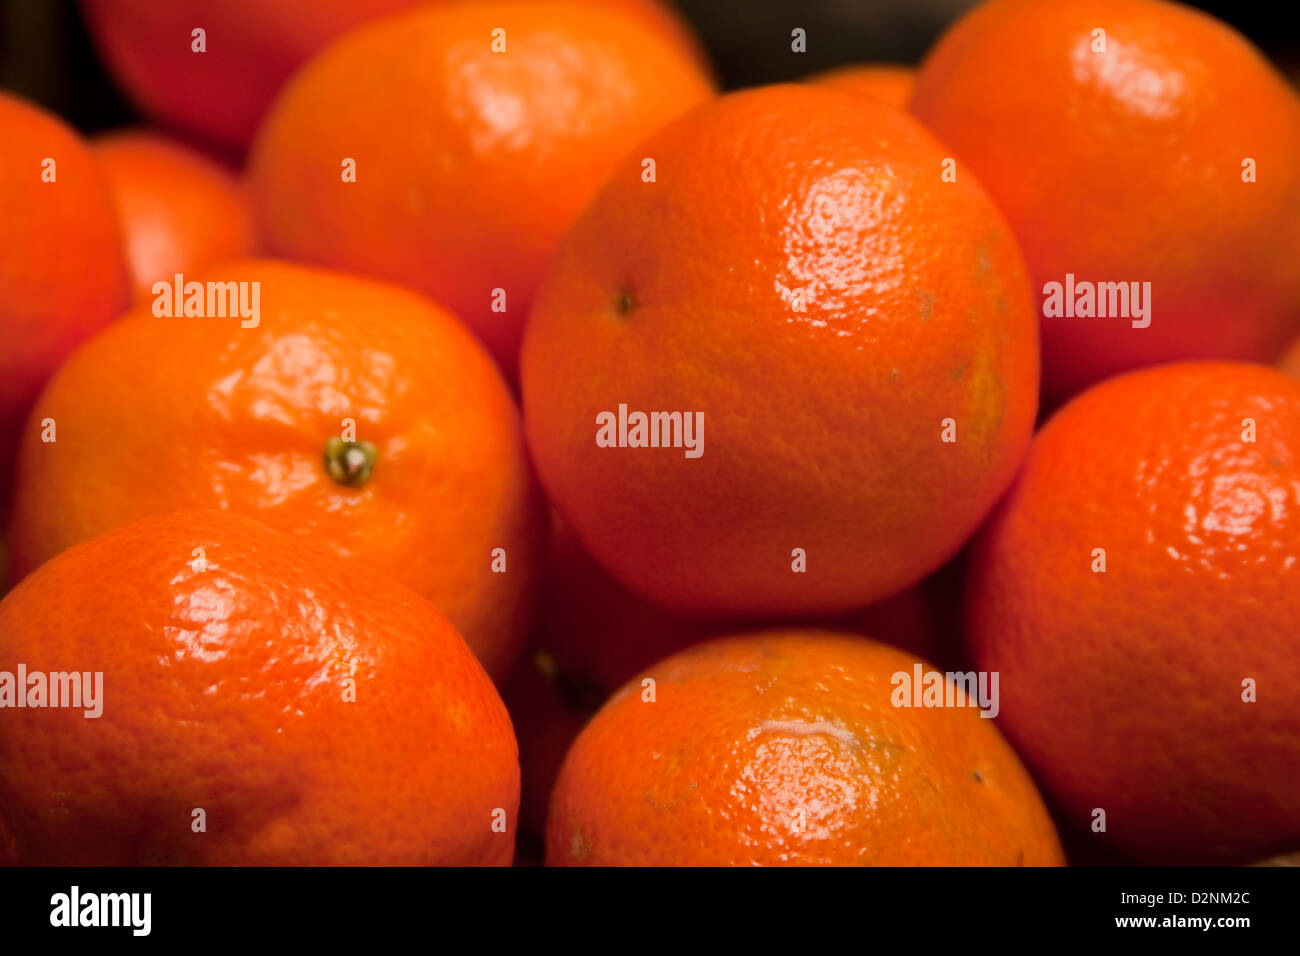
column 46, row 56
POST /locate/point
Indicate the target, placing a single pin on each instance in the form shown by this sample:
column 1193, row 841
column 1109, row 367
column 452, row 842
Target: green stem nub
column 350, row 462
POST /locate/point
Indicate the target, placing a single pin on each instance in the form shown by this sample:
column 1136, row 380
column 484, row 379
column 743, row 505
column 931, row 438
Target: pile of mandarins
column 900, row 467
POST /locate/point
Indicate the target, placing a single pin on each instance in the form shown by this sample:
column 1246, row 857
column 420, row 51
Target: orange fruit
column 598, row 634
column 511, row 145
column 252, row 47
column 881, row 81
column 302, row 710
column 180, row 210
column 591, row 635
column 783, row 747
column 1124, row 689
column 62, row 274
column 356, row 415
column 831, row 316
column 1128, row 166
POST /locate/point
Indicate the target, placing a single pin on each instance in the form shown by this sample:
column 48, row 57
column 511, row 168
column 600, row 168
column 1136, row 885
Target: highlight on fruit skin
column 478, row 152
column 256, row 702
column 1138, row 589
column 355, row 414
column 856, row 335
column 790, row 747
column 282, row 587
column 250, row 48
column 1138, row 143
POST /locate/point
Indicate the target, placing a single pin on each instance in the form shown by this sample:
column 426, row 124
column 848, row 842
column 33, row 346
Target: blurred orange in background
column 62, row 270
column 250, row 48
column 885, row 82
column 180, row 210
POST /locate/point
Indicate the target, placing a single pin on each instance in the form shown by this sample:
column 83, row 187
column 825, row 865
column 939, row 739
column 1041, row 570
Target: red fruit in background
column 590, row 635
column 252, row 47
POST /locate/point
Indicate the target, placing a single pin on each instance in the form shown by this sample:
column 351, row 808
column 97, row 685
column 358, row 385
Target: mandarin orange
column 1134, row 142
column 1135, row 587
column 852, row 337
column 355, row 414
column 180, row 210
column 786, row 747
column 256, row 701
column 591, row 635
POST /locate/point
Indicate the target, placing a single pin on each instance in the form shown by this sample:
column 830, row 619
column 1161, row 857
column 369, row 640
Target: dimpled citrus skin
column 881, row 81
column 158, row 414
column 62, row 271
column 470, row 163
column 591, row 635
column 1127, row 166
column 1123, row 690
column 180, row 210
column 822, row 427
column 782, row 747
column 223, row 689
